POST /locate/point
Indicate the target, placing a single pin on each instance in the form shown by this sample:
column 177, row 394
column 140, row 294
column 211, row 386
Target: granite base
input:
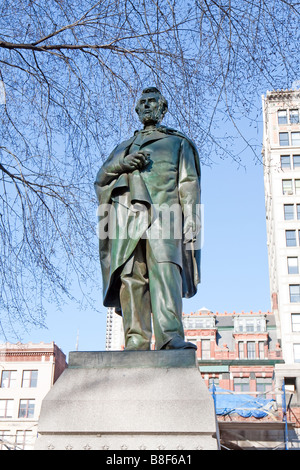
column 129, row 400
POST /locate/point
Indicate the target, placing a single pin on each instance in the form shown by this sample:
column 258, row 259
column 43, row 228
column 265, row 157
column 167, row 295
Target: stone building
column 27, row 372
column 281, row 163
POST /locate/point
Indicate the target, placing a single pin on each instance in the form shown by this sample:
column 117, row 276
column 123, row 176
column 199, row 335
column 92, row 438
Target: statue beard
column 154, row 117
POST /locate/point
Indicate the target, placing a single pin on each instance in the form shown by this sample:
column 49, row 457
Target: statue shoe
column 179, row 343
column 137, row 344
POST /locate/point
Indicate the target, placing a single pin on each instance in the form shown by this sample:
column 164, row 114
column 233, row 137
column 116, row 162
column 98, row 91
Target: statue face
column 149, row 108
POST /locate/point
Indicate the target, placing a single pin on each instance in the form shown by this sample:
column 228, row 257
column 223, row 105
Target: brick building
column 237, row 351
column 240, row 352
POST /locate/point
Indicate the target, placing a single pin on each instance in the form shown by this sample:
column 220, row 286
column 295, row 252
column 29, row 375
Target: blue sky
column 234, row 257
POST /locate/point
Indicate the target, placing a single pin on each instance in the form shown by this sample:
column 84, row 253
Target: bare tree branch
column 72, row 72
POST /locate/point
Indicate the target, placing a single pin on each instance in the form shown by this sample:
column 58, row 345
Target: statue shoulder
column 180, row 134
column 170, row 131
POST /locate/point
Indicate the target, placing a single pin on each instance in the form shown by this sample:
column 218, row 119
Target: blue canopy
column 228, row 402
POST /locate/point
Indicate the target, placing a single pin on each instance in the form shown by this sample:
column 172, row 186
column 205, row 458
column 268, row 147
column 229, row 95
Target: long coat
column 128, row 204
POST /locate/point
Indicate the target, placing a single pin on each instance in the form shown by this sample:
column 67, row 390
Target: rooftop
column 206, row 312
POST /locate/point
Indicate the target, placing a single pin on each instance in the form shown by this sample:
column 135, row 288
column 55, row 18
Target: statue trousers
column 150, row 287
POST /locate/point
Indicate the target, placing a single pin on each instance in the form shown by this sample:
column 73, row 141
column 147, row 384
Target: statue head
column 152, row 106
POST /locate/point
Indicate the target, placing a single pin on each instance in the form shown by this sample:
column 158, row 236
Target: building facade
column 281, row 163
column 27, row 372
column 235, row 351
column 114, row 338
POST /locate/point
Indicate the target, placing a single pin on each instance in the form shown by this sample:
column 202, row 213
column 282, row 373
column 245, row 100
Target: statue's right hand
column 134, row 161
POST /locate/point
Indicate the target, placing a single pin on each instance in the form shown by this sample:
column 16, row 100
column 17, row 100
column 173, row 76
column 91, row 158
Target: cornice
column 276, row 95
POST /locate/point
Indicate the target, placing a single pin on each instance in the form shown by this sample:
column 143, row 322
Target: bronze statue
column 147, row 269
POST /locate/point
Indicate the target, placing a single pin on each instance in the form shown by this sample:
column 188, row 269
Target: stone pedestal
column 129, row 400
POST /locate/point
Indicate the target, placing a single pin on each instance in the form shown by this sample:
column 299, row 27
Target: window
column 24, row 440
column 288, row 211
column 199, row 323
column 293, row 267
column 241, row 384
column 205, row 349
column 264, row 385
column 290, row 237
column 5, row 440
column 283, row 139
column 296, row 352
column 282, row 116
column 203, row 323
column 298, row 211
column 213, row 381
column 26, row 409
column 249, row 326
column 295, row 293
column 29, row 379
column 296, row 322
column 6, row 408
column 241, row 350
column 244, row 324
column 287, row 186
column 294, row 116
column 261, row 349
column 285, row 162
column 295, row 138
column 297, row 187
column 251, row 350
column 8, row 379
column 290, row 384
column 296, row 161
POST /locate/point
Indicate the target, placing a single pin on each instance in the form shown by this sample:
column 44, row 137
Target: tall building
column 281, row 161
column 27, row 372
column 114, row 340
